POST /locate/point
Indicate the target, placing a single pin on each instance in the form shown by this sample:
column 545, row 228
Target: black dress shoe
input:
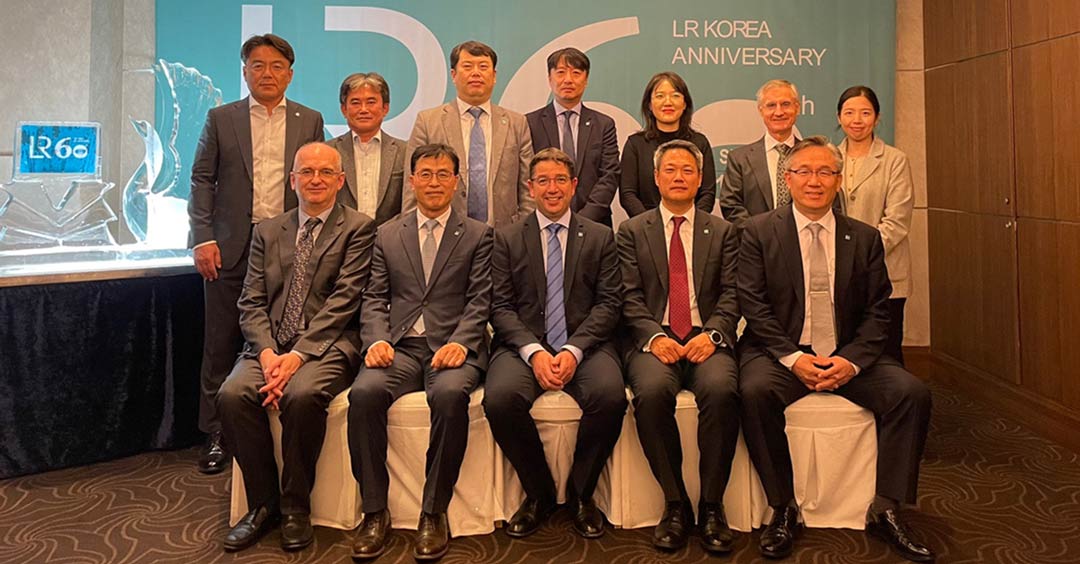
column 888, row 527
column 674, row 527
column 251, row 527
column 296, row 531
column 528, row 517
column 716, row 536
column 432, row 537
column 371, row 541
column 778, row 538
column 588, row 519
column 213, row 458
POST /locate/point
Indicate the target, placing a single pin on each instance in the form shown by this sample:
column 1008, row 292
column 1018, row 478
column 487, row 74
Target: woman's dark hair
column 856, row 91
column 677, row 82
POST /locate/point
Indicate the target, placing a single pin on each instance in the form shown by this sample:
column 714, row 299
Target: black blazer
column 592, row 286
column 456, row 303
column 597, row 154
column 644, row 261
column 772, row 295
column 391, row 174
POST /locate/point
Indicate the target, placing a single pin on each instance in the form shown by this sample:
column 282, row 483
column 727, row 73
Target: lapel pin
column 847, row 237
column 706, row 230
column 297, row 114
column 456, row 233
column 580, row 234
column 587, row 123
column 503, row 121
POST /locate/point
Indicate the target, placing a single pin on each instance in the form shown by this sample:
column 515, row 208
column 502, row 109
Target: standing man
column 557, row 298
column 680, row 310
column 814, row 289
column 240, row 177
column 372, row 159
column 754, row 181
column 584, row 134
column 423, row 325
column 298, row 316
column 493, row 142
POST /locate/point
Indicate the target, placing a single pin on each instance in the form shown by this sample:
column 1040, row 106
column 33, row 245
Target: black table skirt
column 97, row 370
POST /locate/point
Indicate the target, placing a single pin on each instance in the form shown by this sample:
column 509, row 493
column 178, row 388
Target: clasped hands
column 823, row 374
column 669, row 351
column 450, row 355
column 277, row 370
column 553, row 372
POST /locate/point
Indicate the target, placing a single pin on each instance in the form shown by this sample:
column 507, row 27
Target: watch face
column 715, row 337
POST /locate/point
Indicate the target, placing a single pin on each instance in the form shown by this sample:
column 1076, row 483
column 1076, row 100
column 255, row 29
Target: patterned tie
column 783, row 195
column 822, row 327
column 568, row 135
column 478, row 205
column 428, row 249
column 555, row 318
column 298, row 289
column 678, row 284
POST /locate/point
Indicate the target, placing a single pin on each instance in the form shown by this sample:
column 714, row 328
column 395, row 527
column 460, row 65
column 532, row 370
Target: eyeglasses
column 771, row 106
column 545, row 181
column 823, row 174
column 275, row 67
column 309, row 173
column 427, row 175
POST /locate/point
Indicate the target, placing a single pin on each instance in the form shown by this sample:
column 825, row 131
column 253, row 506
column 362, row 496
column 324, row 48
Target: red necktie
column 678, row 285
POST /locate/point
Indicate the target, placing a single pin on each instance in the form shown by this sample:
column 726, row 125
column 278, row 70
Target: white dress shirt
column 367, row 158
column 267, row 160
column 772, row 156
column 528, row 350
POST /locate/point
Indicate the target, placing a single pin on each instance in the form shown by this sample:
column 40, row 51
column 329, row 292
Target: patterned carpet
column 991, row 492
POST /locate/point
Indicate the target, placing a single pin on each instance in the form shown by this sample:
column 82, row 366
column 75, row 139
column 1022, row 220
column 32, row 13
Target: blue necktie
column 555, row 318
column 478, row 205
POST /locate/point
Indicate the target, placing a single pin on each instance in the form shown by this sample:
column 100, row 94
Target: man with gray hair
column 754, row 182
column 680, row 311
column 373, row 160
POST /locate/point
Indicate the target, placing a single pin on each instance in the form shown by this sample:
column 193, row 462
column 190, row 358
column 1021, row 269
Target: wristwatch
column 716, row 338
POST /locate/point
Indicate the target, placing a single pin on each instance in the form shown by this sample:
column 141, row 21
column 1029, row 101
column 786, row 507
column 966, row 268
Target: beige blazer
column 882, row 195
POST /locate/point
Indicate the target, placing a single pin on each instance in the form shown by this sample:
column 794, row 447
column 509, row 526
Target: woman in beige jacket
column 878, row 190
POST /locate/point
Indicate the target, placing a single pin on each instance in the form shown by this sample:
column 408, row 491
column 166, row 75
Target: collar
column 463, row 107
column 442, row 219
column 828, row 221
column 771, row 142
column 253, row 104
column 559, row 109
column 666, row 215
column 356, row 138
column 304, row 217
column 563, row 221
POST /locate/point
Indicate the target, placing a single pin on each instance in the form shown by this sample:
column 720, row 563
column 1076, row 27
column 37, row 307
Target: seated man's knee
column 446, row 399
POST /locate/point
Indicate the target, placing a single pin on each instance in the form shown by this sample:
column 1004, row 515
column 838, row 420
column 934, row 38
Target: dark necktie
column 555, row 318
column 678, row 284
column 477, row 189
column 783, row 194
column 568, row 135
column 298, row 289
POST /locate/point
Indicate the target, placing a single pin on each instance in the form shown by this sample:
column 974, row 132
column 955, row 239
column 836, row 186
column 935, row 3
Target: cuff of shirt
column 528, row 350
column 464, row 349
column 648, row 346
column 205, row 243
column 303, row 357
column 855, row 366
column 578, row 353
column 789, row 360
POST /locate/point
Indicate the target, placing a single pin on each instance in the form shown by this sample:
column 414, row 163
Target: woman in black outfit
column 667, row 109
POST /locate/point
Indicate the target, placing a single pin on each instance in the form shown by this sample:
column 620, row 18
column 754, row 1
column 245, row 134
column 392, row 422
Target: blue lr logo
column 52, row 148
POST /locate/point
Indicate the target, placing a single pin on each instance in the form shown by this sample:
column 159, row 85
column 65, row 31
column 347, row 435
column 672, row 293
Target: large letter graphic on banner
column 417, row 38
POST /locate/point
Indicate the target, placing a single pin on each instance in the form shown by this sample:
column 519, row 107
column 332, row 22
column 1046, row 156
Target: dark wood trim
column 1045, row 417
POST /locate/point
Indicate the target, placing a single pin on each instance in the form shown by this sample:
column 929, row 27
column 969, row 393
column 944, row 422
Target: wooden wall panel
column 955, row 30
column 1039, row 20
column 1049, row 278
column 969, row 143
column 973, row 280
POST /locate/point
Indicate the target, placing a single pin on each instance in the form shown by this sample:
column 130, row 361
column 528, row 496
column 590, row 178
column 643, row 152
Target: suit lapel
column 535, row 251
column 287, row 248
column 293, row 122
column 241, row 118
column 654, row 236
column 551, row 126
column 499, row 131
column 410, row 243
column 575, row 239
column 451, row 123
column 784, row 224
column 388, row 151
column 702, row 247
column 455, row 226
column 868, row 165
column 759, row 163
column 845, row 257
column 584, row 131
column 348, row 163
column 329, row 233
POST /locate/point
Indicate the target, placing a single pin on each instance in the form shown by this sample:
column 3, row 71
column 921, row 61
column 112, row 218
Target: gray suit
column 220, row 210
column 455, row 305
column 338, row 268
column 746, row 189
column 391, row 174
column 508, row 171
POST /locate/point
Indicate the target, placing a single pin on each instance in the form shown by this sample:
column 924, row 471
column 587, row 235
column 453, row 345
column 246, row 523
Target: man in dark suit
column 814, row 289
column 492, row 142
column 373, row 160
column 680, row 313
column 423, row 327
column 587, row 135
column 556, row 301
column 298, row 310
column 754, row 180
column 239, row 177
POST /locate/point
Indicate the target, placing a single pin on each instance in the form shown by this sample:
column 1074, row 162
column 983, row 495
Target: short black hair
column 553, row 155
column 434, row 150
column 573, row 57
column 652, row 131
column 361, row 79
column 474, row 48
column 268, row 40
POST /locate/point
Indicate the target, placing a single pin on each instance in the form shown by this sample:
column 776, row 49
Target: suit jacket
column 882, row 196
column 338, row 267
column 391, row 174
column 643, row 255
column 772, row 295
column 455, row 304
column 221, row 174
column 508, row 171
column 592, row 286
column 597, row 152
column 746, row 189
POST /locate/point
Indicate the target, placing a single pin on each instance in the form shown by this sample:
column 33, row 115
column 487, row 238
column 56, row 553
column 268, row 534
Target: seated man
column 306, row 274
column 556, row 301
column 814, row 290
column 678, row 268
column 423, row 319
